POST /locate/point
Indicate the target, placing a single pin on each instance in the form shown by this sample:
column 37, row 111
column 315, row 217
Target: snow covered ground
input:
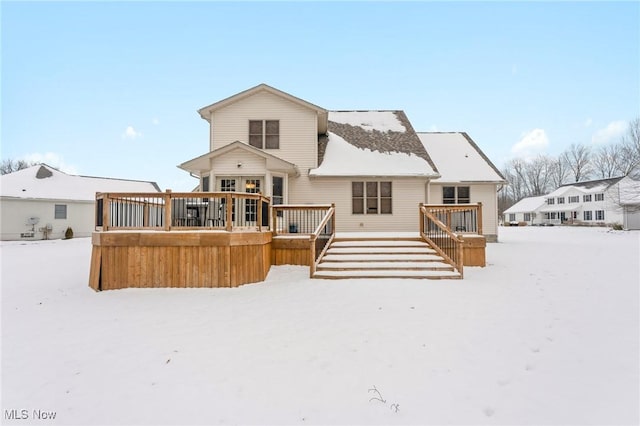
column 548, row 333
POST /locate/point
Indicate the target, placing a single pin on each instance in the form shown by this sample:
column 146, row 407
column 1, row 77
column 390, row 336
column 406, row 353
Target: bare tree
column 630, row 150
column 537, row 174
column 9, row 166
column 606, row 161
column 559, row 172
column 578, row 159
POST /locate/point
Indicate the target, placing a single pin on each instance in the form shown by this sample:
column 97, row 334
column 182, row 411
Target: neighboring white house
column 526, row 211
column 596, row 202
column 40, row 202
column 371, row 164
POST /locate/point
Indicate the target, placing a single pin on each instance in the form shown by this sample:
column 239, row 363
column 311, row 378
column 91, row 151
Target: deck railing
column 321, row 238
column 440, row 237
column 181, row 211
column 459, row 218
column 298, row 218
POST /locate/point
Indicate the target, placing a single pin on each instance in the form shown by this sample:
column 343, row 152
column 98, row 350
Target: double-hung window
column 560, row 200
column 586, row 198
column 371, row 198
column 599, row 197
column 551, row 201
column 588, row 215
column 60, row 211
column 599, row 214
column 456, row 195
column 264, row 134
column 574, row 199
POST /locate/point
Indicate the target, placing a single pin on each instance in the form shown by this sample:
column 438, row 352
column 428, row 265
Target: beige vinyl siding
column 298, row 136
column 14, row 213
column 407, row 195
column 227, row 164
column 480, row 193
column 298, row 126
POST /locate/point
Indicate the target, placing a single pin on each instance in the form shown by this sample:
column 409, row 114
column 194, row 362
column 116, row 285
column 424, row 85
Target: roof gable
column 205, row 112
column 202, row 163
column 459, row 158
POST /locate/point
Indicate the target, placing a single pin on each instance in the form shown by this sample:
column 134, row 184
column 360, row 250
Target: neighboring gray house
column 40, row 202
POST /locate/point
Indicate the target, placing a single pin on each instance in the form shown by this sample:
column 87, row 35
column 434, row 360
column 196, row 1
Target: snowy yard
column 548, row 333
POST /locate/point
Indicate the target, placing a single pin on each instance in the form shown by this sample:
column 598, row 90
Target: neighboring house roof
column 44, row 182
column 594, row 185
column 205, row 112
column 527, row 205
column 458, row 158
column 203, row 163
column 372, row 143
column 564, row 189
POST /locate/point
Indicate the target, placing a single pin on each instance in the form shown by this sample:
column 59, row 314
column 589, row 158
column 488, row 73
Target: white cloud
column 155, row 121
column 587, row 122
column 531, row 143
column 131, row 133
column 52, row 159
column 433, row 128
column 614, row 130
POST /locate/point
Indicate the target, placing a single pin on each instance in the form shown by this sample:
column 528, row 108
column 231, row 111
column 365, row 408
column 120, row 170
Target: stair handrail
column 453, row 255
column 328, row 219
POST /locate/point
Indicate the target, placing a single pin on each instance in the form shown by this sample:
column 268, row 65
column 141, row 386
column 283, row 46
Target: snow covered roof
column 564, row 189
column 372, row 143
column 458, row 158
column 597, row 185
column 527, row 205
column 44, row 182
column 344, row 159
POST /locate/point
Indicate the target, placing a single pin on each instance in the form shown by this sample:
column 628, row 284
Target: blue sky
column 112, row 88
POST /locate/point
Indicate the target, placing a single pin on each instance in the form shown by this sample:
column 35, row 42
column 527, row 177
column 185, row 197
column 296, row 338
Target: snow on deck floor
column 547, row 333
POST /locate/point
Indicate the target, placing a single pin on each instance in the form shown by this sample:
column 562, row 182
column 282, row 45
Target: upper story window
column 264, row 134
column 560, row 200
column 551, row 201
column 599, row 197
column 456, row 195
column 574, row 199
column 586, row 198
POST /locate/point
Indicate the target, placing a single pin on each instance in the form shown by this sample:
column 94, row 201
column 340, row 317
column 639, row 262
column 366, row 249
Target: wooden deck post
column 333, row 206
column 229, row 213
column 106, row 207
column 421, row 220
column 167, row 210
column 274, row 221
column 312, row 255
column 480, row 218
column 259, row 207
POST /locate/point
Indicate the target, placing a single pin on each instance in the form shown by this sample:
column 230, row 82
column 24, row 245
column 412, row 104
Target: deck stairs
column 383, row 257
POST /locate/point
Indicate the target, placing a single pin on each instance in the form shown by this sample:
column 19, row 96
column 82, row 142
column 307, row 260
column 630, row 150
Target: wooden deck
column 155, row 240
column 124, row 259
